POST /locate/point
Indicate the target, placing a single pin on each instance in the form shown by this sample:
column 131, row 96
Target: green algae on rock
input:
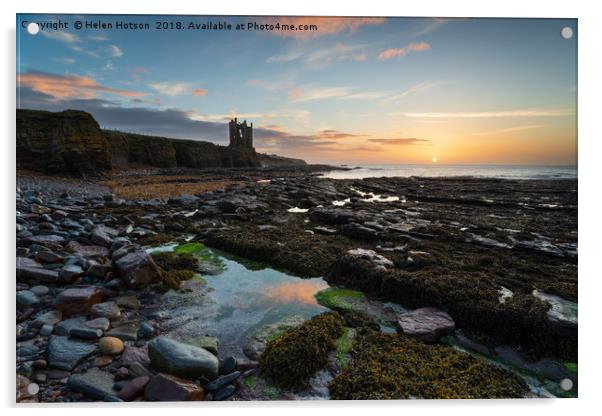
column 208, row 262
column 391, row 366
column 290, row 360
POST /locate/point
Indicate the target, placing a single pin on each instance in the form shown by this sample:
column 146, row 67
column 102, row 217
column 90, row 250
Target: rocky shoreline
column 459, row 267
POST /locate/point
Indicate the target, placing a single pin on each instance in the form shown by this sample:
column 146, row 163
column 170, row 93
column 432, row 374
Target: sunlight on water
column 438, row 170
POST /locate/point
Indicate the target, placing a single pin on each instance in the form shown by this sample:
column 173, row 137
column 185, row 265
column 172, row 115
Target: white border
column 589, row 189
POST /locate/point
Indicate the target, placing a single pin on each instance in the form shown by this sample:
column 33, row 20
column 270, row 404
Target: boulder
column 167, row 388
column 182, row 360
column 426, row 324
column 138, row 269
column 78, row 300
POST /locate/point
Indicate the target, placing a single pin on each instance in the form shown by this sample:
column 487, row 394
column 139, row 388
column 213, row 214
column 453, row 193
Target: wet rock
column 373, row 257
column 563, row 314
column 63, row 327
column 27, row 350
column 128, row 332
column 172, row 357
column 244, row 364
column 46, row 330
column 110, row 346
column 94, row 383
column 167, row 388
column 220, row 382
column 206, row 342
column 48, row 257
column 426, row 324
column 51, row 241
column 102, row 361
column 255, row 344
column 26, row 298
column 224, row 393
column 133, row 389
column 85, row 333
column 145, row 330
column 36, row 273
column 65, row 353
column 40, row 290
column 129, row 302
column 108, row 310
column 70, row 272
column 133, row 355
column 103, row 236
column 98, row 323
column 138, row 269
column 78, row 300
column 359, row 232
column 227, row 365
column 87, row 251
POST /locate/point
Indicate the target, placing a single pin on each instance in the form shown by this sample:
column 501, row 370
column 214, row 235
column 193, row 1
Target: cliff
column 71, row 142
column 68, row 142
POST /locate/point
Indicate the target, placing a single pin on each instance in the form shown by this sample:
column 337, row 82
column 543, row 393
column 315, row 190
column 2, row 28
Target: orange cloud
column 412, row 47
column 68, row 86
column 326, row 25
column 199, row 92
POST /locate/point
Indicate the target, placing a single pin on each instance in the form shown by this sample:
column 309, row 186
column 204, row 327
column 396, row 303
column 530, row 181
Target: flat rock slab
column 426, row 324
column 66, row 353
column 36, row 273
column 94, row 383
column 182, row 360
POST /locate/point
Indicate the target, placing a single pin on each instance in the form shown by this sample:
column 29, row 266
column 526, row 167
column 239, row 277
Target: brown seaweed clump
column 391, row 366
column 175, row 268
column 290, row 360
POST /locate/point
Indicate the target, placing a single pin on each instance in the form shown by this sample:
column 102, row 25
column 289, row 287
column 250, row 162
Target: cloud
column 115, row 51
column 508, row 130
column 60, row 36
column 170, row 89
column 64, row 60
column 317, row 93
column 319, row 58
column 199, row 92
column 423, row 86
column 491, row 114
column 400, row 141
column 325, row 25
column 400, row 52
column 68, row 86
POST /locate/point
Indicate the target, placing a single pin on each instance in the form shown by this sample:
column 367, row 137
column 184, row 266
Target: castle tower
column 241, row 135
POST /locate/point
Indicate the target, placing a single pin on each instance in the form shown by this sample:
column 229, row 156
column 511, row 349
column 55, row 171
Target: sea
column 443, row 170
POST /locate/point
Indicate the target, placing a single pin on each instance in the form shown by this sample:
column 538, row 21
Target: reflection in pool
column 237, row 302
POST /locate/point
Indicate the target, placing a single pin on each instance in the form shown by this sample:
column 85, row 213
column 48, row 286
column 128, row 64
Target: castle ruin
column 241, row 135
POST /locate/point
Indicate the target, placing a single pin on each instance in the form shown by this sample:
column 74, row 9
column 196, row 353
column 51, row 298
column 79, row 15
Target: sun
column 435, row 160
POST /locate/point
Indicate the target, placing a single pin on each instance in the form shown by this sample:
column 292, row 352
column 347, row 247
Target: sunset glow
column 357, row 90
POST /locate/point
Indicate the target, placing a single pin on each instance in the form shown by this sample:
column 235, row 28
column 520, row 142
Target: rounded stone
column 40, row 290
column 110, row 346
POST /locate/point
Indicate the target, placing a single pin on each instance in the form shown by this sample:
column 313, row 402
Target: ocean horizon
column 527, row 172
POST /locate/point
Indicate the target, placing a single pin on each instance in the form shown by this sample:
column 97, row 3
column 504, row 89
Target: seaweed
column 392, row 366
column 290, row 360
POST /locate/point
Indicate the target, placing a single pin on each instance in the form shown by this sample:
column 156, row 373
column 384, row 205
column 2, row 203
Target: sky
column 375, row 90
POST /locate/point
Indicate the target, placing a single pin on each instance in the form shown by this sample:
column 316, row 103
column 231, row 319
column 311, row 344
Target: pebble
column 110, row 346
